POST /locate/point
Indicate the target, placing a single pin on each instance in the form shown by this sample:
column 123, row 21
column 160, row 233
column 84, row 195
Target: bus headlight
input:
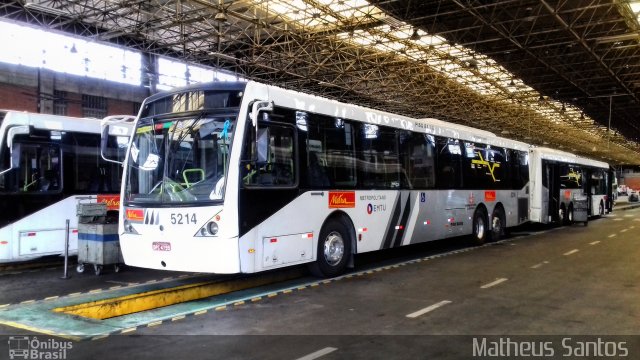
column 209, row 229
column 212, row 227
column 128, row 228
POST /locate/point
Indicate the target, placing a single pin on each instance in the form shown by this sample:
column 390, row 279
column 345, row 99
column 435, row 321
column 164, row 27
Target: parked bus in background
column 247, row 177
column 47, row 164
column 558, row 178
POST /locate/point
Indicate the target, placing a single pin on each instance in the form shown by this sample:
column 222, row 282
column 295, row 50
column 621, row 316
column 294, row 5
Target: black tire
column 498, row 224
column 570, row 215
column 562, row 215
column 480, row 227
column 334, row 250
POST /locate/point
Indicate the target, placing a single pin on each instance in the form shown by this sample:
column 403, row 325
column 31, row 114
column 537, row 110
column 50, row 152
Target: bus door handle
column 317, row 193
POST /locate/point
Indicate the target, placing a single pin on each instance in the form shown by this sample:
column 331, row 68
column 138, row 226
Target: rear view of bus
column 173, row 211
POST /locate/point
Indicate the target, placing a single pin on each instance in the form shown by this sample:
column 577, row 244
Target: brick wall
column 21, row 98
column 19, row 86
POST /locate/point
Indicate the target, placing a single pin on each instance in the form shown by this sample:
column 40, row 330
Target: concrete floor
column 539, row 287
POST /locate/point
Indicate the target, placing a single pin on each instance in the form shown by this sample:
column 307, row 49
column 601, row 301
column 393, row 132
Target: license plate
column 161, row 246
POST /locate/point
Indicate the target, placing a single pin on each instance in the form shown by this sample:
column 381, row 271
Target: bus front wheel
column 334, row 250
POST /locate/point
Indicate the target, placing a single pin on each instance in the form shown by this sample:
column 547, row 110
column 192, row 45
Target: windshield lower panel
column 179, row 160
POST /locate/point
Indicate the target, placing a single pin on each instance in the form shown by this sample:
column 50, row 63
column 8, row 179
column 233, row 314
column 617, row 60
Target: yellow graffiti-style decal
column 574, row 176
column 483, row 162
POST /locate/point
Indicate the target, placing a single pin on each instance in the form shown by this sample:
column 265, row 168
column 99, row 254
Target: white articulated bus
column 48, row 164
column 558, row 178
column 246, row 177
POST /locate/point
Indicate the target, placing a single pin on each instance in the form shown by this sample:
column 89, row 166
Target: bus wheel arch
column 480, row 227
column 335, row 247
column 498, row 222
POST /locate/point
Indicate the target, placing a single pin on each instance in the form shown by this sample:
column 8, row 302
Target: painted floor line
column 612, row 235
column 594, row 242
column 571, row 252
column 539, row 264
column 430, row 308
column 624, row 230
column 318, row 354
column 491, row 284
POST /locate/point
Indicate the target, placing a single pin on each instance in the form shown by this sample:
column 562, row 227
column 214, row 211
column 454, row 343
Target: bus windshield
column 179, row 160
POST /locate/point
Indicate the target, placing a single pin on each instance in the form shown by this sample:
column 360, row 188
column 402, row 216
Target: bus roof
column 50, row 122
column 566, row 157
column 297, row 100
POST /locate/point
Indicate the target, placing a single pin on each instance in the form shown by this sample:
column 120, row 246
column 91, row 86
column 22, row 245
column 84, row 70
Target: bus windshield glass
column 179, row 160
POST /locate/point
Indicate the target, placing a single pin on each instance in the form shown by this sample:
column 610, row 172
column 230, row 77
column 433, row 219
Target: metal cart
column 581, row 210
column 98, row 242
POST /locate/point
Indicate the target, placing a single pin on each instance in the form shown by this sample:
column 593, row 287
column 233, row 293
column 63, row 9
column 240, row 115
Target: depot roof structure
column 563, row 74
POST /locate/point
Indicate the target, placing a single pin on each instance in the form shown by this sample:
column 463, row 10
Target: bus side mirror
column 257, row 108
column 262, row 145
column 262, row 136
column 16, row 130
column 14, row 149
column 117, row 126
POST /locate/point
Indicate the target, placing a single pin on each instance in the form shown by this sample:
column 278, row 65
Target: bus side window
column 40, row 168
column 275, row 158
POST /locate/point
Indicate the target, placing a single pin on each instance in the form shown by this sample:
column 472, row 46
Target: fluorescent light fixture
column 38, row 6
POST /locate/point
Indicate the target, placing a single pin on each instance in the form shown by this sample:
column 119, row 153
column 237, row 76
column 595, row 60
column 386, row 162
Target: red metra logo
column 342, row 199
column 135, row 214
column 489, row 196
column 112, row 201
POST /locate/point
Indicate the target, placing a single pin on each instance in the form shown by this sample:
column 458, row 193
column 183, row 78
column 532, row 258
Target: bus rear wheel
column 334, row 250
column 480, row 227
column 498, row 224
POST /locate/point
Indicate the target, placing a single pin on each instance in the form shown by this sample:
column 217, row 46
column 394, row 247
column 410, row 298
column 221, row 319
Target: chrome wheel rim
column 480, row 228
column 497, row 224
column 333, row 248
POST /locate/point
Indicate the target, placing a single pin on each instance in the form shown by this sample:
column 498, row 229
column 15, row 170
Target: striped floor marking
column 624, row 230
column 595, row 242
column 612, row 235
column 430, row 308
column 571, row 252
column 539, row 264
column 618, row 219
column 318, row 354
column 494, row 283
